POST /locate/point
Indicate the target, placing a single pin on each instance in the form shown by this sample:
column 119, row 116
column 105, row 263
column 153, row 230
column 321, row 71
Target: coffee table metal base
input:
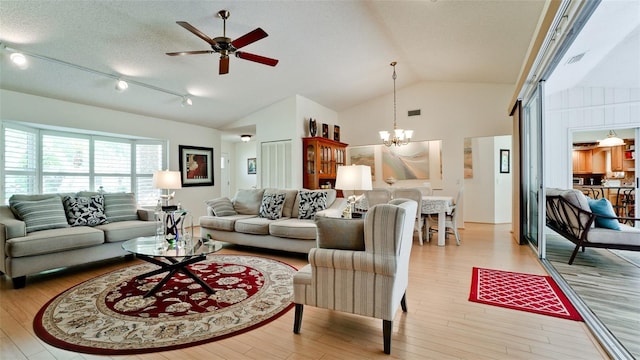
column 172, row 268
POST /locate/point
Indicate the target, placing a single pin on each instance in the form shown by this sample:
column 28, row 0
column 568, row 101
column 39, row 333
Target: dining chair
column 377, row 196
column 416, row 195
column 450, row 222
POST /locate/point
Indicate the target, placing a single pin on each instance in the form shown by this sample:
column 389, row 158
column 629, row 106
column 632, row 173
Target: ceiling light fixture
column 186, row 101
column 116, row 77
column 19, row 59
column 245, row 138
column 611, row 140
column 121, row 85
column 400, row 136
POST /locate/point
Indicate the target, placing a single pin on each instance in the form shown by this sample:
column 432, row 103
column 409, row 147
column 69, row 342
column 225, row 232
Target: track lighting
column 19, row 59
column 245, row 138
column 121, row 85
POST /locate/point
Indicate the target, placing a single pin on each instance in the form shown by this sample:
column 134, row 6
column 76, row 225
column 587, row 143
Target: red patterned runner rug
column 527, row 292
column 108, row 315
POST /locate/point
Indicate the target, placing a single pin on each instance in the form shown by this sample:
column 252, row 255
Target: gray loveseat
column 285, row 223
column 50, row 231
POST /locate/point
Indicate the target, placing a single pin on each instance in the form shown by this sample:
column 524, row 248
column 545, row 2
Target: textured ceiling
column 336, row 53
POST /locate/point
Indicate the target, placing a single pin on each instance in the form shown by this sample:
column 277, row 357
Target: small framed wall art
column 325, row 131
column 336, row 132
column 196, row 165
column 504, row 161
column 251, row 165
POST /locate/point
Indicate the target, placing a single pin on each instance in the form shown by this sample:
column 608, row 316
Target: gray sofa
column 39, row 232
column 240, row 220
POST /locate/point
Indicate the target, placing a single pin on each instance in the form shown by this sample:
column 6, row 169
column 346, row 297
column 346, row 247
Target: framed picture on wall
column 196, row 165
column 251, row 165
column 325, row 131
column 504, row 161
column 336, row 132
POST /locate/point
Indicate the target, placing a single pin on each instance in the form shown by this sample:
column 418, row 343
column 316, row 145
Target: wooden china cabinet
column 321, row 158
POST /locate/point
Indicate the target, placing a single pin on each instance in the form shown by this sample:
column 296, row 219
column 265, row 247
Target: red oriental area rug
column 109, row 315
column 533, row 293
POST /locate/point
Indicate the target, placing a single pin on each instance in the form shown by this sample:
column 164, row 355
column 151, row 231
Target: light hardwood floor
column 441, row 323
column 607, row 283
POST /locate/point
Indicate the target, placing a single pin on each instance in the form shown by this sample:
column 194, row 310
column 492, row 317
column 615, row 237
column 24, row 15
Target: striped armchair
column 371, row 282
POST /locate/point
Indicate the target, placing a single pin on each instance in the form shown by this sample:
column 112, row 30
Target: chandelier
column 400, row 136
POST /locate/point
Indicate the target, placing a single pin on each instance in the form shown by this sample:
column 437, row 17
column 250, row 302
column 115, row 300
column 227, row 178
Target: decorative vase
column 313, row 127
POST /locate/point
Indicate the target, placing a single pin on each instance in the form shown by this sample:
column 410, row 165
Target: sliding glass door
column 532, row 170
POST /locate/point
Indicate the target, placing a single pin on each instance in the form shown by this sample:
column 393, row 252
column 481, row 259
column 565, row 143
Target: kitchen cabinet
column 616, row 158
column 322, row 157
column 582, row 161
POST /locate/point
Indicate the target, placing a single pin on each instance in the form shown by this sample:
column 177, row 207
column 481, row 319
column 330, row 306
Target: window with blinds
column 70, row 162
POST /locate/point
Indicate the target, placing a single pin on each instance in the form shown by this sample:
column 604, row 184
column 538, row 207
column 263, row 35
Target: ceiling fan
column 226, row 46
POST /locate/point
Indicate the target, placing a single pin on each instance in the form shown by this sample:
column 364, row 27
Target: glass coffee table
column 171, row 258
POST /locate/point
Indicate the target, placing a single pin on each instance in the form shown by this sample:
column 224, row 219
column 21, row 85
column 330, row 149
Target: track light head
column 186, row 101
column 18, row 59
column 121, row 85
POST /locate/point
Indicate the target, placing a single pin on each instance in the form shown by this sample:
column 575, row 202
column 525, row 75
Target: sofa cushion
column 124, row 230
column 294, row 229
column 226, row 223
column 345, row 234
column 47, row 213
column 247, row 201
column 54, row 240
column 271, row 206
column 310, row 203
column 84, row 211
column 221, row 206
column 627, row 235
column 603, row 207
column 254, row 225
column 120, row 207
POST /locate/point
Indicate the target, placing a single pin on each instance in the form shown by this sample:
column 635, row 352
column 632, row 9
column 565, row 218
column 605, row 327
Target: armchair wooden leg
column 297, row 322
column 403, row 302
column 386, row 333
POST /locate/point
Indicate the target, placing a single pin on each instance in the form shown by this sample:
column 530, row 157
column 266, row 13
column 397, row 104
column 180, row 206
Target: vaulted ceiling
column 336, row 53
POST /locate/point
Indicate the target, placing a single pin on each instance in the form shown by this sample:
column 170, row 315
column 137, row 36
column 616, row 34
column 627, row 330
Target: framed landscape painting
column 196, row 165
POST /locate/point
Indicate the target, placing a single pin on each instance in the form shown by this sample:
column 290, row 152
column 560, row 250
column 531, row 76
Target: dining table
column 440, row 205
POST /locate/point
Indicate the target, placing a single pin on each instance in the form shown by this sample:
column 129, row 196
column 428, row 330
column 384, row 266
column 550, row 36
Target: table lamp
column 353, row 177
column 167, row 181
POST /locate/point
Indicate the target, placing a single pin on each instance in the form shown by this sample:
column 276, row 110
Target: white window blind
column 72, row 162
column 20, row 162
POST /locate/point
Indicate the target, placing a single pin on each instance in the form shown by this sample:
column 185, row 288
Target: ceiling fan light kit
column 225, row 46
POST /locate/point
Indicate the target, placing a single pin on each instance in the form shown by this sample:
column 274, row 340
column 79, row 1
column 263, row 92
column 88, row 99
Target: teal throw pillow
column 603, row 207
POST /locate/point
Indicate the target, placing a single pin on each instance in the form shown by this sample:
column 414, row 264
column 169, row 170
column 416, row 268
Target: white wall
column 284, row 120
column 243, row 180
column 582, row 109
column 450, row 112
column 17, row 106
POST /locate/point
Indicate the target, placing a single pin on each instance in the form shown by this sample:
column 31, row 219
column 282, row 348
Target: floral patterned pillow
column 84, row 211
column 272, row 204
column 310, row 203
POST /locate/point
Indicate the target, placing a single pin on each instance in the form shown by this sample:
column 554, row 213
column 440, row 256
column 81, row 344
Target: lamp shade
column 354, row 177
column 165, row 179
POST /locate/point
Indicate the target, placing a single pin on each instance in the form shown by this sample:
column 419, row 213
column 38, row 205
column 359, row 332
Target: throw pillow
column 120, row 207
column 603, row 207
column 271, row 206
column 221, row 206
column 247, row 201
column 336, row 233
column 41, row 214
column 310, row 203
column 84, row 210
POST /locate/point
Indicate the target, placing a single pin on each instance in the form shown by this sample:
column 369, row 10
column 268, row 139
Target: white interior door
column 225, row 182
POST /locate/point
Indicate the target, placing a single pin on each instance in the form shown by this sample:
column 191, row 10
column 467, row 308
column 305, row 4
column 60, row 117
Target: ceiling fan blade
column 256, row 58
column 224, row 65
column 249, row 38
column 189, row 52
column 196, row 32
